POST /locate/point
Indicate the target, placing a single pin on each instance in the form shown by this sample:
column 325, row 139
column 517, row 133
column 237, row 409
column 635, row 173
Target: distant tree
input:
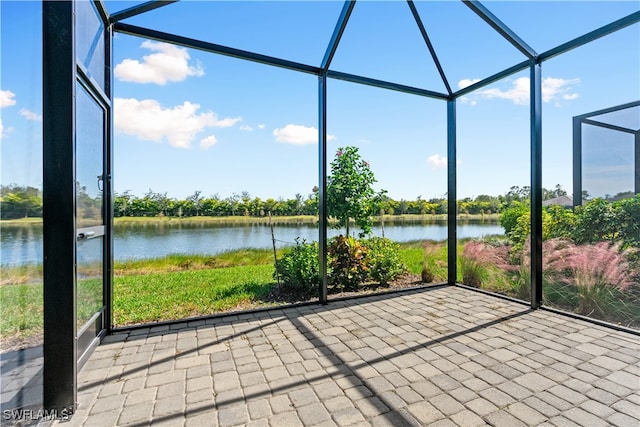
column 296, row 206
column 622, row 195
column 518, row 194
column 245, row 204
column 402, row 207
column 164, row 202
column 559, row 191
column 196, row 201
column 121, row 204
column 234, row 203
column 20, row 202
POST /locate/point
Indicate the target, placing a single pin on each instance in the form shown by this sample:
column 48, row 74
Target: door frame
column 61, row 74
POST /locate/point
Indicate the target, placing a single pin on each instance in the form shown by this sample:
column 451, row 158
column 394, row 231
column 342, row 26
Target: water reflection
column 23, row 244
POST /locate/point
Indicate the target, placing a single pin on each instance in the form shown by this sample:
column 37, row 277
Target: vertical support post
column 60, row 369
column 536, row 185
column 452, row 232
column 637, row 163
column 322, row 184
column 577, row 161
column 109, row 190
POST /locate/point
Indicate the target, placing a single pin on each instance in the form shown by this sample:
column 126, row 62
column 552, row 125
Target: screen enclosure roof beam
column 102, row 10
column 494, row 78
column 139, row 9
column 269, row 60
column 609, row 126
column 386, row 85
column 501, row 28
column 609, row 110
column 425, row 36
column 591, row 36
column 337, row 33
column 214, row 48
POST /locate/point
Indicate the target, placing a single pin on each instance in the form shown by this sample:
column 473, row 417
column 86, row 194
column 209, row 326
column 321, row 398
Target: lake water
column 23, row 244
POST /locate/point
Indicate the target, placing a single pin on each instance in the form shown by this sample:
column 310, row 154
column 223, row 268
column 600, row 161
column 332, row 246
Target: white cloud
column 262, row 126
column 440, row 162
column 148, row 120
column 467, row 100
column 298, row 135
column 6, row 98
column 208, row 142
column 552, row 89
column 467, row 82
column 30, row 115
column 437, row 161
column 246, row 128
column 518, row 94
column 224, row 123
column 169, row 64
column 5, row 131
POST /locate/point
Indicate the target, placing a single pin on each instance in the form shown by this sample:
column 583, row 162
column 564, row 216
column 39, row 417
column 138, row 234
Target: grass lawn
column 22, row 311
column 183, row 294
column 180, row 262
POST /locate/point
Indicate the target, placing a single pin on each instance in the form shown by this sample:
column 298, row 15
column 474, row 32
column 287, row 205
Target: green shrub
column 509, row 216
column 383, row 259
column 351, row 263
column 557, row 222
column 298, row 270
column 347, row 263
column 561, row 222
column 628, row 213
column 595, row 222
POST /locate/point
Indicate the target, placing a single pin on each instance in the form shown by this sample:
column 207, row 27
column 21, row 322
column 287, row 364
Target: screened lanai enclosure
column 599, row 158
column 166, row 162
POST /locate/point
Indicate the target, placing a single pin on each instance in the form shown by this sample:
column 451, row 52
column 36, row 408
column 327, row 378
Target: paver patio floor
column 442, row 356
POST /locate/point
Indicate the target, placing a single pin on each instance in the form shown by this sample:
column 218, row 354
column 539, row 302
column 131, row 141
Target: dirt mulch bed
column 283, row 296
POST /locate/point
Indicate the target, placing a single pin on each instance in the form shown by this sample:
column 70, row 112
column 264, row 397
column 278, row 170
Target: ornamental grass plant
column 596, row 279
column 599, row 280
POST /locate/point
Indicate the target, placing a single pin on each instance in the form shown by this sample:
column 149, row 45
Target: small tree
column 350, row 194
column 196, row 201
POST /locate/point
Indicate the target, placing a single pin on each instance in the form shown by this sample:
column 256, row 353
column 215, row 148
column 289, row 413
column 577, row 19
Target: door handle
column 85, row 235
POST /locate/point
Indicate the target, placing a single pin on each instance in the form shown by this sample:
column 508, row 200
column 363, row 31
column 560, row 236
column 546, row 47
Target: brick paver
column 442, row 356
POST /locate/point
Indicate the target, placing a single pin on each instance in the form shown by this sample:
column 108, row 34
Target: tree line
column 18, row 201
column 243, row 204
column 26, row 202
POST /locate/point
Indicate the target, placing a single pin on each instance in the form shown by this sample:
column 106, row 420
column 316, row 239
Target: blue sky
column 188, row 120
